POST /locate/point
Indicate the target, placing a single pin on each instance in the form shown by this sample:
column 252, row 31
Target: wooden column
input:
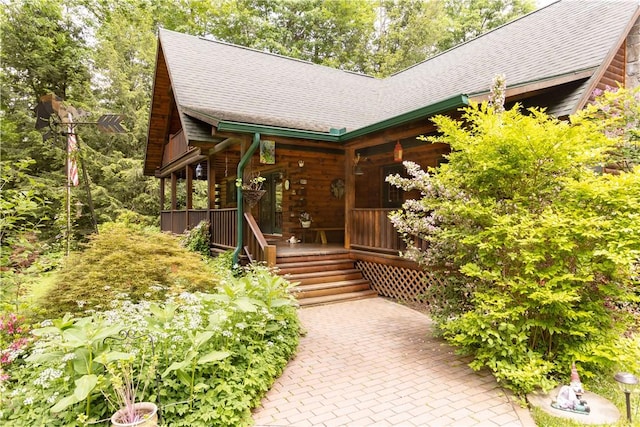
column 174, row 198
column 161, row 191
column 211, row 181
column 349, row 195
column 188, row 170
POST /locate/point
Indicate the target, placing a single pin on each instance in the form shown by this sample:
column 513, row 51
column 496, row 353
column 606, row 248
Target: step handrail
column 258, row 247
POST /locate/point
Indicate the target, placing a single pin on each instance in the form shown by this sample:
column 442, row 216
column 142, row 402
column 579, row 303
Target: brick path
column 375, row 363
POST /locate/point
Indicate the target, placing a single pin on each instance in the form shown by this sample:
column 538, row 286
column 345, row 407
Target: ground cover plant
column 205, row 357
column 538, row 250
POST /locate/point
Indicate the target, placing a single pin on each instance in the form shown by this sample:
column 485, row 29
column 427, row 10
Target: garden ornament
column 570, row 396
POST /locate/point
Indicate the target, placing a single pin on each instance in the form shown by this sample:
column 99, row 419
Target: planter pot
column 148, row 412
column 305, row 224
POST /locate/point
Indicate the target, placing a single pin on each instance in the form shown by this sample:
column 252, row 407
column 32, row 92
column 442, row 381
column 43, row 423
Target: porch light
column 397, row 152
column 627, row 383
column 199, row 171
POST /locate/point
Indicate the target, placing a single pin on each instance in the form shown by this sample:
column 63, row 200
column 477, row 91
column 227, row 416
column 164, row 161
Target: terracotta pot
column 149, row 412
column 305, row 224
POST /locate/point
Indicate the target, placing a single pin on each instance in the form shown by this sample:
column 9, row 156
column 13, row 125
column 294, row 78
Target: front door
column 271, row 204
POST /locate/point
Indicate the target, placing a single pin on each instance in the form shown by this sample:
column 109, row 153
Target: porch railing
column 224, row 224
column 372, row 230
column 257, row 246
column 178, row 221
column 176, row 147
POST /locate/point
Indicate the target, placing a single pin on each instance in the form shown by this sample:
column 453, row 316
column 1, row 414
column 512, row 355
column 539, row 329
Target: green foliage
column 217, row 354
column 617, row 111
column 198, row 238
column 126, row 262
column 538, row 252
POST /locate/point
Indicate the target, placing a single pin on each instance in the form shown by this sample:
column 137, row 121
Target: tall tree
column 468, row 19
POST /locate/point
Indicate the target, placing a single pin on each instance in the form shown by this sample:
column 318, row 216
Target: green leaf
column 111, row 356
column 245, row 304
column 213, row 357
column 184, row 378
column 64, row 403
column 84, row 386
column 201, row 338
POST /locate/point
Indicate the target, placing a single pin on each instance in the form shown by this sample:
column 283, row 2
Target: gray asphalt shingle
column 240, row 84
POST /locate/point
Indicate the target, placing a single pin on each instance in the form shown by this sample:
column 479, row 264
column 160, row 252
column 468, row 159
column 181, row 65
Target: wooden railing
column 372, row 230
column 224, row 224
column 178, row 222
column 259, row 249
column 176, row 147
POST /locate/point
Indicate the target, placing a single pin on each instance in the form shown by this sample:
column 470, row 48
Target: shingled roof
column 214, row 81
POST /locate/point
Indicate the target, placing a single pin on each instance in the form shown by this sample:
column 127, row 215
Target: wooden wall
column 320, row 169
column 615, row 73
column 369, row 186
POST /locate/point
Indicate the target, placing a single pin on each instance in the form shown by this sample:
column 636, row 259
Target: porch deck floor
column 302, row 249
column 377, row 363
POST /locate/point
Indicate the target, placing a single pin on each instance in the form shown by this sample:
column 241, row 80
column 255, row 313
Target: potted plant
column 125, row 391
column 305, row 219
column 252, row 190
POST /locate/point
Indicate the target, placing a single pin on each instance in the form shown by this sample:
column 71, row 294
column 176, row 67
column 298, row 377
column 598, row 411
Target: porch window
column 392, row 196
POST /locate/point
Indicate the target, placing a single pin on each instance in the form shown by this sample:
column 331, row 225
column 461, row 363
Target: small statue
column 293, row 240
column 570, row 396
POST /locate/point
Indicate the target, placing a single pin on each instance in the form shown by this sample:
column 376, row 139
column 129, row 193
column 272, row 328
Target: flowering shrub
column 537, row 253
column 216, row 353
column 14, row 339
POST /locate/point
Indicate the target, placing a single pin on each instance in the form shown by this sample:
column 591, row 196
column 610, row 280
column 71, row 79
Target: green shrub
column 198, row 238
column 126, row 262
column 536, row 251
column 217, row 354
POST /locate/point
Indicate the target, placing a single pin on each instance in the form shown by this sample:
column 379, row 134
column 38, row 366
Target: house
column 324, row 139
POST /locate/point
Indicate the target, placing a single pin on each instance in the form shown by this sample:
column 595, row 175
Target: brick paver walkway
column 375, row 363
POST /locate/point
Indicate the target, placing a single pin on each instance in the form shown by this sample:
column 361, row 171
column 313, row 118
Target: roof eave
column 335, row 136
column 442, row 106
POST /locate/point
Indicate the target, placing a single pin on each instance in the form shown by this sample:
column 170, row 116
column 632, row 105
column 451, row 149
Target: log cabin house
column 324, row 139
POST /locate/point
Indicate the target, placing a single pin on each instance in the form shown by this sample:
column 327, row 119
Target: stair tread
column 313, row 274
column 323, row 262
column 326, row 299
column 328, row 285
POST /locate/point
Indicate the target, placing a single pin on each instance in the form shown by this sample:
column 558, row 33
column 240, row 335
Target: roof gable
column 213, row 81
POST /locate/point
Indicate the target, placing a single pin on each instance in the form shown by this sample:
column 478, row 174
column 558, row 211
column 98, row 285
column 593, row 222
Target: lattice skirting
column 402, row 284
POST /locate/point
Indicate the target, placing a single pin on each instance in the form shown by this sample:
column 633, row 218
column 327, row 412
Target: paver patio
column 376, row 363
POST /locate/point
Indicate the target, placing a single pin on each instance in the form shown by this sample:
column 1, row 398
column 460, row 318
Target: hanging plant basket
column 252, row 196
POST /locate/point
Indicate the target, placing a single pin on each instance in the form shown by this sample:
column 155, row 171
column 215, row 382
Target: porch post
column 161, row 191
column 189, row 184
column 211, row 181
column 174, row 198
column 350, row 195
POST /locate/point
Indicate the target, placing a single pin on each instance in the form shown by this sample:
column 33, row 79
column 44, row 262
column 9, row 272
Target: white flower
column 68, row 356
column 227, row 333
column 81, row 303
column 46, row 323
column 47, row 376
column 28, row 401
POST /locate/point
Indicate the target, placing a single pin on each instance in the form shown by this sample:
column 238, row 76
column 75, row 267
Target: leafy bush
column 536, row 251
column 216, row 353
column 198, row 238
column 126, row 262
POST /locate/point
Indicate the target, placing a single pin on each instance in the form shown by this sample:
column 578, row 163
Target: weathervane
column 52, row 113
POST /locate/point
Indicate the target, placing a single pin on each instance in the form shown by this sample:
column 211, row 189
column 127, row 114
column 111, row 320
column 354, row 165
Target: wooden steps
column 324, row 278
